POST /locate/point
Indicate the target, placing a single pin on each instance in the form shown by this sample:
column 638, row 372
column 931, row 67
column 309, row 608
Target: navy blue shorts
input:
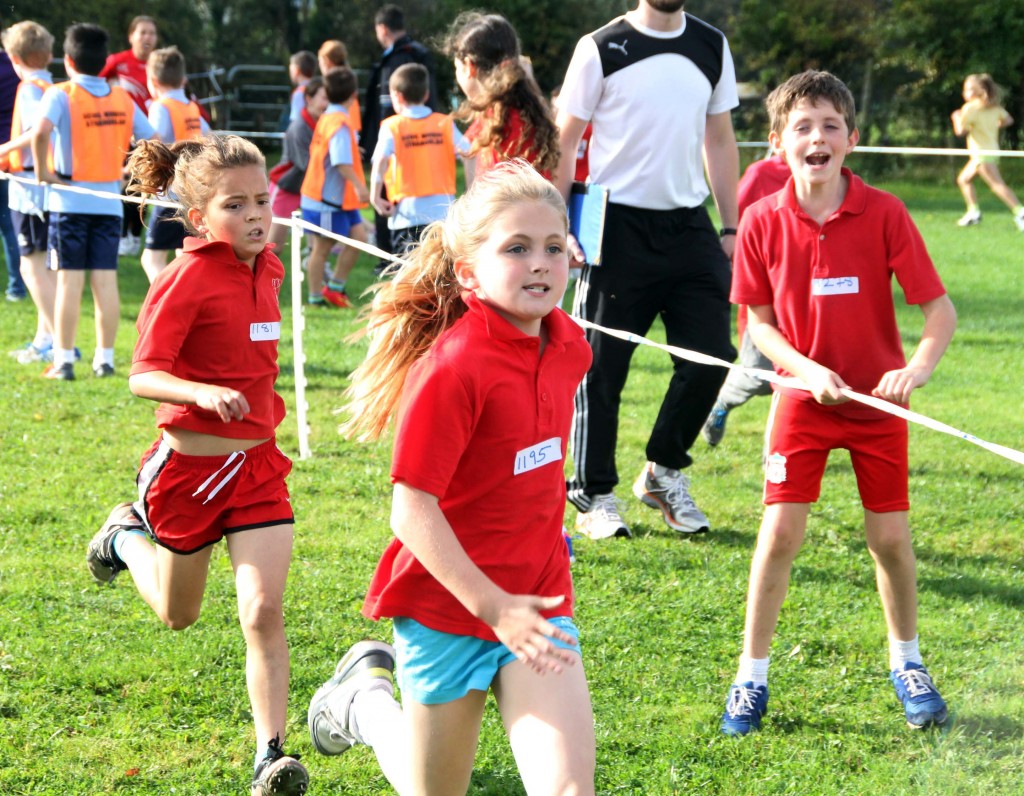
column 31, row 230
column 83, row 242
column 340, row 222
column 165, row 231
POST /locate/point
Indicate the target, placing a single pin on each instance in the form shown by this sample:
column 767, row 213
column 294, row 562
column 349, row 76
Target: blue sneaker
column 714, row 427
column 744, row 709
column 30, row 353
column 921, row 701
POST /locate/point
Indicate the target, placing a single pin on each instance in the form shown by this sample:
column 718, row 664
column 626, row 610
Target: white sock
column 103, row 356
column 659, row 471
column 43, row 341
column 376, row 715
column 378, row 719
column 903, row 652
column 63, row 356
column 753, row 670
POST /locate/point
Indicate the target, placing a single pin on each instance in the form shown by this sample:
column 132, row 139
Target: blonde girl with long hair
column 472, row 357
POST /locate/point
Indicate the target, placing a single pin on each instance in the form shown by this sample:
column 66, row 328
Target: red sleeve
column 750, row 282
column 165, row 320
column 909, row 258
column 110, row 66
column 427, row 452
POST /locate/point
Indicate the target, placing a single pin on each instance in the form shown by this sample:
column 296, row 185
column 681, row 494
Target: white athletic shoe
column 969, row 219
column 602, row 520
column 1019, row 220
column 366, row 664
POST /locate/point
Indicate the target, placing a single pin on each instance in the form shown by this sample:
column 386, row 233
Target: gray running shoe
column 366, row 664
column 670, row 494
column 100, row 557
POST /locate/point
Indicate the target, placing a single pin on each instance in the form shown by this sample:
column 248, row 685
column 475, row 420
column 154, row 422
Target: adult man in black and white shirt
column 658, row 86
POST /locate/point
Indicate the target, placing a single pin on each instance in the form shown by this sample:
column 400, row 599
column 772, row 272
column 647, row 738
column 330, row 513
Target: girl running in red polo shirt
column 207, row 351
column 472, row 356
column 509, row 117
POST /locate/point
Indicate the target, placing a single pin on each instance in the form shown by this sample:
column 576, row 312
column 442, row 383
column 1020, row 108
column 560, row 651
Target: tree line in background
column 904, row 60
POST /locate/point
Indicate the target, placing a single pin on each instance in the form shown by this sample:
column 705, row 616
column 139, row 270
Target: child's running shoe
column 279, row 774
column 714, row 427
column 65, row 372
column 921, row 701
column 368, row 664
column 744, row 709
column 1019, row 220
column 31, row 353
column 969, row 219
column 339, row 298
column 101, row 559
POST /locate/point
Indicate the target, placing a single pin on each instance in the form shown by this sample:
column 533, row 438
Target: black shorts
column 31, row 230
column 165, row 232
column 83, row 242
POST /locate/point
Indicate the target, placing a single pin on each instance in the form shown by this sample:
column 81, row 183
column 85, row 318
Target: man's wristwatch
column 726, row 231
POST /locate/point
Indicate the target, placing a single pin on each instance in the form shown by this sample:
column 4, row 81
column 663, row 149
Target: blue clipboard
column 588, row 203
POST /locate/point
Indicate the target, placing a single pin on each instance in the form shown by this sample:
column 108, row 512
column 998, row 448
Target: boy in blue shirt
column 414, row 159
column 92, row 125
column 334, row 190
column 30, row 48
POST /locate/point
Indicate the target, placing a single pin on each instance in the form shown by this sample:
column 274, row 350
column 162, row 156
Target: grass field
column 96, row 697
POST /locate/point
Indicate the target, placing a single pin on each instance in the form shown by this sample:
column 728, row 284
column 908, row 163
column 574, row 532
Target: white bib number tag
column 835, row 286
column 546, row 452
column 265, row 331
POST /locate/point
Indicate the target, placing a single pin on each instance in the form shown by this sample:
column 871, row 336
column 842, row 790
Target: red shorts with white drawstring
column 191, row 502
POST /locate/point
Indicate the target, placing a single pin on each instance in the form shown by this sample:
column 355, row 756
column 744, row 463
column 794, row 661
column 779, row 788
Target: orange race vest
column 313, row 183
column 16, row 157
column 101, row 132
column 424, row 160
column 185, row 119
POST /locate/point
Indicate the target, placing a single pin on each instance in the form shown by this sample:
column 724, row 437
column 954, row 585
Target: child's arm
column 347, row 170
column 380, row 203
column 939, row 325
column 23, row 140
column 40, row 150
column 825, row 385
column 159, row 385
column 957, row 117
column 419, row 523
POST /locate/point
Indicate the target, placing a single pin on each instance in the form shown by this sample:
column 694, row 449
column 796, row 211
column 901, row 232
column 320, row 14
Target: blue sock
column 119, row 540
column 337, row 284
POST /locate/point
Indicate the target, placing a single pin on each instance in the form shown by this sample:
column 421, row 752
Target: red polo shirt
column 209, row 318
column 830, row 285
column 512, row 144
column 480, row 405
column 131, row 75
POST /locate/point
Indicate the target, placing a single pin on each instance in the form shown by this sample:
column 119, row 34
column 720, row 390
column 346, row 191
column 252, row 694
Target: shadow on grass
column 997, row 728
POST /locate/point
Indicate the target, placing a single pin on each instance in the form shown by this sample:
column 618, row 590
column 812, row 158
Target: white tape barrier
column 297, row 225
column 771, row 376
column 909, row 150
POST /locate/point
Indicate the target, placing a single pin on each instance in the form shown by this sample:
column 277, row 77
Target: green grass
column 97, row 697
